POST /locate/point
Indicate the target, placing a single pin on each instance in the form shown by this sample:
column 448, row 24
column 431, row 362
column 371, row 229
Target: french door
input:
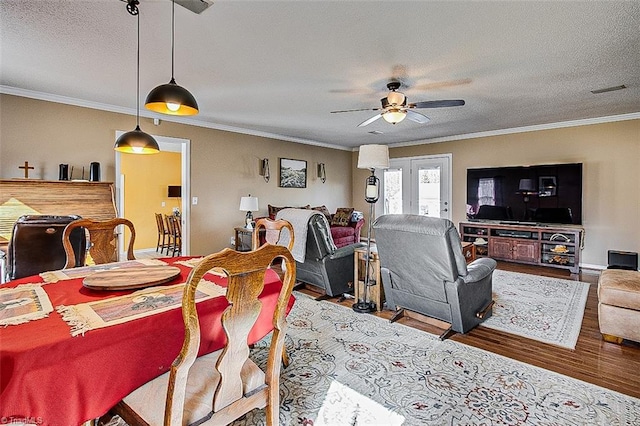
column 418, row 185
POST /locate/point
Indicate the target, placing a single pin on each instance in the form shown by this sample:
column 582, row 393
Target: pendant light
column 136, row 141
column 171, row 98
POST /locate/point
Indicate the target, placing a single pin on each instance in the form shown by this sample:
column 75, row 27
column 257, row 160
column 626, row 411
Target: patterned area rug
column 357, row 369
column 546, row 309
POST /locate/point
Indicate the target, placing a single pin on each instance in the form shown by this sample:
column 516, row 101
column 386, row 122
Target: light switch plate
column 194, row 200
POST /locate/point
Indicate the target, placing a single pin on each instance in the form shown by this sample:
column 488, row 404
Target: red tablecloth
column 50, row 378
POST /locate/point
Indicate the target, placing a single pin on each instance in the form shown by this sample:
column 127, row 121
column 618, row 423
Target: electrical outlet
column 232, row 241
column 163, row 204
column 194, row 201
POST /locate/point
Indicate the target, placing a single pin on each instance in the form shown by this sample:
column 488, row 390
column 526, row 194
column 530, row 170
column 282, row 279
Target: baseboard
column 588, row 268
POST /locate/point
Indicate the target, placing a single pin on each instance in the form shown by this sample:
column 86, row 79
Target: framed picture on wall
column 293, row 173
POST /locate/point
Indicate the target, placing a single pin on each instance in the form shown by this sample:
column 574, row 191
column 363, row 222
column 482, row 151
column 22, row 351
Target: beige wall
column 224, row 165
column 146, row 178
column 610, row 154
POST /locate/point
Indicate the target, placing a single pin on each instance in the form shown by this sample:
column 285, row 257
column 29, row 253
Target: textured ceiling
column 279, row 67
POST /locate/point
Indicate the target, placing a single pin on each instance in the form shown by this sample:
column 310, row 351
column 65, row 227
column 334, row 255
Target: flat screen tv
column 550, row 193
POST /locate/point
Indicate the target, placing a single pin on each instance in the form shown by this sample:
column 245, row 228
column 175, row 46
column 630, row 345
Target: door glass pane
column 392, row 191
column 429, row 192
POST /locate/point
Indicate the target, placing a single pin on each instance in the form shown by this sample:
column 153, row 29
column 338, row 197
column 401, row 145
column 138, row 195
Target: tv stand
column 557, row 246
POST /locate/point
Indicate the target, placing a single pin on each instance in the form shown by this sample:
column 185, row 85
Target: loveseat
column 345, row 223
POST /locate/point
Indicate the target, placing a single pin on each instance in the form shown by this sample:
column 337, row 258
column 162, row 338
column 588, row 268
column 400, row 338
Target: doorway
column 418, row 185
column 167, row 144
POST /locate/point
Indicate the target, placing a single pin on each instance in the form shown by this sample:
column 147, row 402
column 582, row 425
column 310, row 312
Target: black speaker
column 622, row 260
column 63, row 172
column 94, row 172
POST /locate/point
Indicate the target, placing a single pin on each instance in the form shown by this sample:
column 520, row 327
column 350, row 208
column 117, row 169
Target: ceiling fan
column 395, row 108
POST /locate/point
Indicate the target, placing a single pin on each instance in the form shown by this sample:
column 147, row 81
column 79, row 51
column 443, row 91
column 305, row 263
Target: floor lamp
column 370, row 157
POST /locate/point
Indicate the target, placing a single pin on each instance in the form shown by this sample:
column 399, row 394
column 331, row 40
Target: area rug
column 354, row 369
column 357, row 369
column 549, row 310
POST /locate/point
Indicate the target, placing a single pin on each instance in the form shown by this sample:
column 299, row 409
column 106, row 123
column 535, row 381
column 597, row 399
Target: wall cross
column 26, row 168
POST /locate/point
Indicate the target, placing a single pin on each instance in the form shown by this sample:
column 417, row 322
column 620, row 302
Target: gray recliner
column 423, row 270
column 326, row 266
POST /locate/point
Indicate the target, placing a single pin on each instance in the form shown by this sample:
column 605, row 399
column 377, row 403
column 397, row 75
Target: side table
column 469, row 251
column 376, row 292
column 241, row 235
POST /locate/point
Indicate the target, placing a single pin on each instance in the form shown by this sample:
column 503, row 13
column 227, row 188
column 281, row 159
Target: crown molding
column 8, row 90
column 534, row 128
column 25, row 93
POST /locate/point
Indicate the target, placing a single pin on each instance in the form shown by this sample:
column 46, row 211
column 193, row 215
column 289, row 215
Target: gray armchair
column 423, row 270
column 326, row 266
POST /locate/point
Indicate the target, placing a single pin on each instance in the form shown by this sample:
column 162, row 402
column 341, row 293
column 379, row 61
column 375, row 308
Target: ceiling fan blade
column 417, row 117
column 354, row 110
column 437, row 104
column 441, row 84
column 369, row 121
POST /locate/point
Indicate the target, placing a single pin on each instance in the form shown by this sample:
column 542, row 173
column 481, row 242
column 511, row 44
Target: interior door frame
column 410, row 164
column 183, row 146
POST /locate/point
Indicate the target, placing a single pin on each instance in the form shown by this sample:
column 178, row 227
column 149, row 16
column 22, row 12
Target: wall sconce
column 264, row 169
column 322, row 174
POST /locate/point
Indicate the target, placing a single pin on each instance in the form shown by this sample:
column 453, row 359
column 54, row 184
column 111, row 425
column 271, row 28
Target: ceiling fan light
column 394, row 116
column 137, row 142
column 171, row 99
column 395, row 98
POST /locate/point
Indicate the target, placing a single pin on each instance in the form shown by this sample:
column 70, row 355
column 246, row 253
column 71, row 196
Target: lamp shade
column 249, row 204
column 171, row 99
column 527, row 185
column 373, row 157
column 137, row 142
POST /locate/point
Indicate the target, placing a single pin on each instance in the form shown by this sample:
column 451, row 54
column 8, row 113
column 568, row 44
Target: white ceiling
column 278, row 68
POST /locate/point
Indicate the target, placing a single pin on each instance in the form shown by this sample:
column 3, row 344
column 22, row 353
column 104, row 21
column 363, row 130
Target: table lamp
column 249, row 204
column 370, row 157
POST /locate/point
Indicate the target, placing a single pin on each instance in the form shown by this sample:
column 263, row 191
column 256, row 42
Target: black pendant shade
column 171, row 99
column 137, row 142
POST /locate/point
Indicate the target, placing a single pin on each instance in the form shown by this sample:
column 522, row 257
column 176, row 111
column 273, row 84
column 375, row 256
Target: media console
column 558, row 246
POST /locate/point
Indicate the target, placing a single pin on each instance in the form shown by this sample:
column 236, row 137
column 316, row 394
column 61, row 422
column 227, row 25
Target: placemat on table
column 192, row 263
column 85, row 271
column 143, row 303
column 23, row 303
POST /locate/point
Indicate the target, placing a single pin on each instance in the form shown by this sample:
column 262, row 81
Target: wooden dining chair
column 103, row 247
column 217, row 388
column 272, row 232
column 174, row 244
column 177, row 236
column 163, row 233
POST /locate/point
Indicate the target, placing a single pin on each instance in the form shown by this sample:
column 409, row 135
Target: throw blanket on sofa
column 299, row 218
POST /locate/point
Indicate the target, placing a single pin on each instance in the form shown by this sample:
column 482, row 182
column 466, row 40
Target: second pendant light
column 172, row 98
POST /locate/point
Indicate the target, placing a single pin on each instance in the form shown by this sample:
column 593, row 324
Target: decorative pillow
column 356, row 216
column 342, row 217
column 324, row 210
column 273, row 211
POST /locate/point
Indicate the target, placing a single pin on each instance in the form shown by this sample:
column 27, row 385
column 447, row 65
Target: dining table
column 58, row 369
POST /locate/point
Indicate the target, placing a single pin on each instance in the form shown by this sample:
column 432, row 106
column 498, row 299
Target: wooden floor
column 609, row 365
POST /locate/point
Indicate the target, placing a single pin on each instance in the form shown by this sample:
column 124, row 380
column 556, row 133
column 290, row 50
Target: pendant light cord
column 173, row 31
column 138, row 79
